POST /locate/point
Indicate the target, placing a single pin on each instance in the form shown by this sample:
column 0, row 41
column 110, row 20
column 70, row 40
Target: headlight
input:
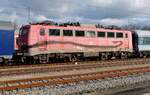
column 20, row 43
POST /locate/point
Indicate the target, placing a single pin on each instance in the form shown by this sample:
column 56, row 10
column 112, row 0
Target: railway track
column 70, row 63
column 65, row 79
column 54, row 68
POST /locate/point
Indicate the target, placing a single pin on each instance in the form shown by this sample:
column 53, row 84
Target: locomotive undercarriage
column 70, row 57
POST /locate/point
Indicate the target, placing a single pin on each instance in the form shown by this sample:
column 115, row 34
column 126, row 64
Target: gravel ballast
column 104, row 86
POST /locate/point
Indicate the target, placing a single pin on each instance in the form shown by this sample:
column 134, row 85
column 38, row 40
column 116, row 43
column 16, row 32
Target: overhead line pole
column 29, row 14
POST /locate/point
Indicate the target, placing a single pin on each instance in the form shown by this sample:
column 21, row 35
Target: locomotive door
column 127, row 41
column 42, row 40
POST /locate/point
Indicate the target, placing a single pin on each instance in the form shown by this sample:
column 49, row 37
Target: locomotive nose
column 21, row 42
column 18, row 41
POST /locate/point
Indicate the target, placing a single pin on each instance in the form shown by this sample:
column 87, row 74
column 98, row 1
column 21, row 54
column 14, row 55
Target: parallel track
column 50, row 68
column 65, row 79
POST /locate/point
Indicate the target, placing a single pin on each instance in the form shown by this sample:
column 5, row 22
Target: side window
column 141, row 41
column 54, row 32
column 101, row 34
column 146, row 40
column 119, row 35
column 126, row 35
column 91, row 34
column 110, row 34
column 42, row 31
column 79, row 33
column 67, row 33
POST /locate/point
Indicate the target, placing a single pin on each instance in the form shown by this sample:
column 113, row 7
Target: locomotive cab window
column 101, row 34
column 42, row 31
column 119, row 35
column 67, row 33
column 90, row 34
column 54, row 32
column 79, row 33
column 110, row 35
column 24, row 31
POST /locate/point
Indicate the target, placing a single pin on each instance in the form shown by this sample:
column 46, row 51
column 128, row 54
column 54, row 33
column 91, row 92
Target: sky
column 116, row 12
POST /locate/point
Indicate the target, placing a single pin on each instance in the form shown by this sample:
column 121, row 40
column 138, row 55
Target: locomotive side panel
column 44, row 42
column 58, row 43
column 37, row 38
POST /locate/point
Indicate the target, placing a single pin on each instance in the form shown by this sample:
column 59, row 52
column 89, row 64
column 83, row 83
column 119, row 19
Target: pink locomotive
column 43, row 43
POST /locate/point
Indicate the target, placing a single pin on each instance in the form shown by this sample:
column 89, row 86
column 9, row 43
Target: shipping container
column 6, row 40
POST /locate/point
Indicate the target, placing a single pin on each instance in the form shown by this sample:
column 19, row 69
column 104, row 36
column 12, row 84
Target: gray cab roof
column 6, row 25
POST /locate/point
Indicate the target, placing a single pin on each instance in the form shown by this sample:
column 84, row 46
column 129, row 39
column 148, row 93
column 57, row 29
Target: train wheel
column 36, row 60
column 2, row 60
column 43, row 59
column 141, row 55
column 104, row 56
column 73, row 58
column 123, row 55
column 22, row 60
column 109, row 57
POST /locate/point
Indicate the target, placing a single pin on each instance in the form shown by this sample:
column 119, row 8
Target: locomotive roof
column 77, row 25
column 84, row 27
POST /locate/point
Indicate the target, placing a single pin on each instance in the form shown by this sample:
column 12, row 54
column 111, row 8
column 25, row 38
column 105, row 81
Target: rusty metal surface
column 81, row 65
column 64, row 79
